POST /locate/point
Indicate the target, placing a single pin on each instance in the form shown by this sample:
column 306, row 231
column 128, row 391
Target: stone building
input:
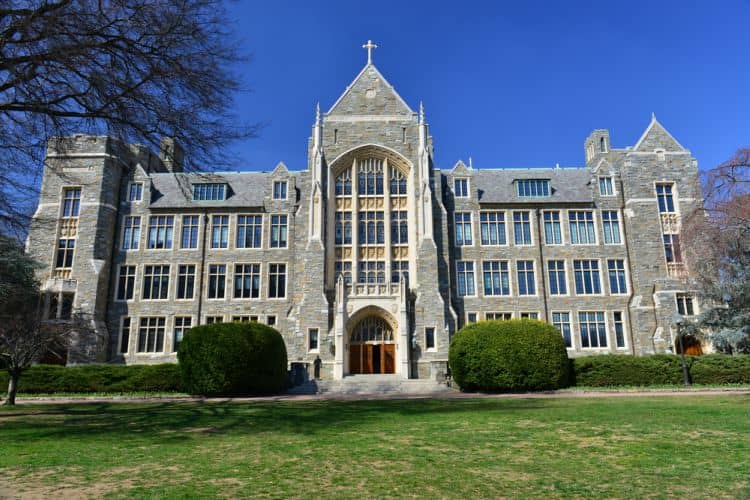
column 372, row 257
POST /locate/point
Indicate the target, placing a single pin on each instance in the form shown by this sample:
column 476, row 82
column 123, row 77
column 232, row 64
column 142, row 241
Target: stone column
column 339, row 329
column 403, row 334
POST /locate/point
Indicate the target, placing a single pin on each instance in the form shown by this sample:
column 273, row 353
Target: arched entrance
column 372, row 348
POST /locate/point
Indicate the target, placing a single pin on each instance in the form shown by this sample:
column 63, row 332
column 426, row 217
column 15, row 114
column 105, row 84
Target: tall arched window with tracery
column 371, row 222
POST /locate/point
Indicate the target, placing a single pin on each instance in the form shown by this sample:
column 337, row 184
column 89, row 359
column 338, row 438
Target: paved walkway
column 370, row 397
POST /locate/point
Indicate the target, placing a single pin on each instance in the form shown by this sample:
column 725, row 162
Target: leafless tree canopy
column 134, row 69
column 717, row 249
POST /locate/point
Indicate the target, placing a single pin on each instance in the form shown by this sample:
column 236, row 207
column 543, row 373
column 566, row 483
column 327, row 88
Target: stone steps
column 370, row 384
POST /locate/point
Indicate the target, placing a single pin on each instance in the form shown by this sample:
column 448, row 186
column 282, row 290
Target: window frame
column 571, row 335
column 625, row 277
column 168, row 238
column 182, row 327
column 611, row 179
column 120, row 331
column 310, row 348
column 557, row 278
column 523, row 233
column 258, row 241
column 252, row 275
column 286, row 280
column 496, row 223
column 197, row 231
column 463, row 224
column 552, row 224
column 578, row 222
column 526, row 271
column 214, row 225
column 610, row 222
column 177, row 281
column 218, row 276
column 465, row 272
column 152, row 275
column 283, row 191
column 282, row 228
column 500, row 272
column 131, row 185
column 118, row 285
column 156, row 328
column 132, row 239
column 590, row 270
column 598, row 334
column 461, row 193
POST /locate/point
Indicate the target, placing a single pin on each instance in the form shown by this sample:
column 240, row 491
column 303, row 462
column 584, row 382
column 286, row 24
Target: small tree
column 24, row 337
column 716, row 242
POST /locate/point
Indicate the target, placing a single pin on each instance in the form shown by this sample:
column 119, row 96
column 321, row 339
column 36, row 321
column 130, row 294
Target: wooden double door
column 369, row 358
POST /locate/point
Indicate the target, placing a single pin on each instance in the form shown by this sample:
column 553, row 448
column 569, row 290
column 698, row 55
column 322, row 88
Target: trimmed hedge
column 660, row 369
column 49, row 379
column 514, row 355
column 233, row 359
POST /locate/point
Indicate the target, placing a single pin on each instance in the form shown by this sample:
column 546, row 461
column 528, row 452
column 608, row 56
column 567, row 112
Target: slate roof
column 569, row 185
column 246, row 189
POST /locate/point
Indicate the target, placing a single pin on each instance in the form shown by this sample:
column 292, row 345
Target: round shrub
column 233, row 359
column 514, row 355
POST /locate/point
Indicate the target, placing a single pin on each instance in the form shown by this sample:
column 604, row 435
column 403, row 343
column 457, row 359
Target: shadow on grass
column 181, row 419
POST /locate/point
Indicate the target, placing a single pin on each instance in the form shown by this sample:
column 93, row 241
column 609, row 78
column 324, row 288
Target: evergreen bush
column 233, row 359
column 514, row 355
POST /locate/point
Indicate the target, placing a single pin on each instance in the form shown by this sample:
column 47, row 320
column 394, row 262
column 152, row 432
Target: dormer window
column 533, row 187
column 606, row 187
column 212, row 191
column 135, row 193
column 461, row 188
column 279, row 190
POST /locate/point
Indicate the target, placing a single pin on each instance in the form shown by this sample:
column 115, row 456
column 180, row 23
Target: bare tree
column 717, row 249
column 24, row 337
column 137, row 70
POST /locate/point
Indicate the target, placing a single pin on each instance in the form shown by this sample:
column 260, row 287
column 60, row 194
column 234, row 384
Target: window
column 526, row 283
column 533, row 187
column 343, row 268
column 398, row 182
column 344, row 183
column 461, row 188
column 399, row 268
column 561, row 321
column 217, row 280
column 135, row 193
column 189, row 231
column 611, row 227
column 182, row 325
column 246, row 281
column 593, row 329
column 249, row 231
column 602, row 145
column 214, row 319
column 521, row 228
column 185, row 281
column 672, row 248
column 370, row 177
column 131, row 233
column 492, row 228
column 279, row 190
column 220, row 231
column 501, row 316
column 617, row 283
column 160, row 229
column 312, row 340
column 582, row 227
column 463, row 228
column 209, row 192
column 606, row 187
column 529, row 315
column 587, row 277
column 557, row 282
column 465, row 278
column 124, row 344
column 60, row 306
column 71, row 202
column 552, row 232
column 619, row 329
column 496, row 278
column 399, row 228
column 65, row 249
column 276, row 281
column 126, row 283
column 371, row 272
column 371, row 228
column 343, row 228
column 429, row 338
column 151, row 334
column 155, row 282
column 471, row 317
column 278, row 231
column 271, row 320
column 685, row 304
column 665, row 198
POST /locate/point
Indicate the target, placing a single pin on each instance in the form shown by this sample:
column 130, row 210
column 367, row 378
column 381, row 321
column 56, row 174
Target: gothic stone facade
column 371, row 258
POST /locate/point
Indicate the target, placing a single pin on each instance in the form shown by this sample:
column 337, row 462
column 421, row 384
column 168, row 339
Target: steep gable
column 369, row 94
column 656, row 137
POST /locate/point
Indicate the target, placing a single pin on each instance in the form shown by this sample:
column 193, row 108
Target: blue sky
column 511, row 84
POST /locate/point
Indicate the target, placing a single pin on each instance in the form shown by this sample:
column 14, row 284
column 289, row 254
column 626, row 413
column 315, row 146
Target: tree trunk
column 12, row 388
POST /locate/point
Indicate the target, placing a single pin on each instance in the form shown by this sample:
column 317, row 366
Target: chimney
column 171, row 154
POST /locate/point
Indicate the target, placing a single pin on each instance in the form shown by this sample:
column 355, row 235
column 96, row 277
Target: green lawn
column 688, row 446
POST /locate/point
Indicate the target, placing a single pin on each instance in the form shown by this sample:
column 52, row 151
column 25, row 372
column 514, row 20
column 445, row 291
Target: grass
column 689, row 446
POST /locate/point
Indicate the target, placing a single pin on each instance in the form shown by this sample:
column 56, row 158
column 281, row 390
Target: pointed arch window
column 398, row 182
column 344, row 183
column 370, row 177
